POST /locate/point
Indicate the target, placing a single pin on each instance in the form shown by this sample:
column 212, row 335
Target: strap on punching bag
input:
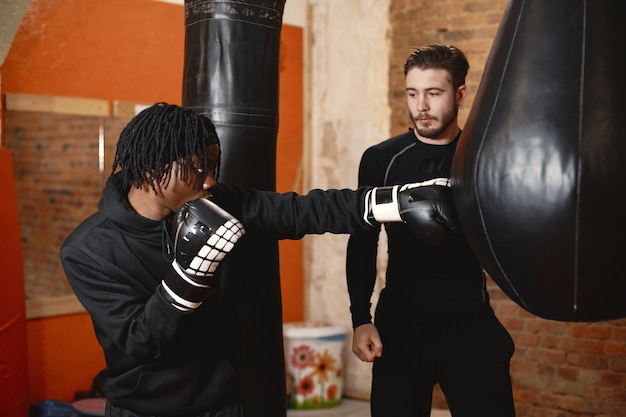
column 231, row 75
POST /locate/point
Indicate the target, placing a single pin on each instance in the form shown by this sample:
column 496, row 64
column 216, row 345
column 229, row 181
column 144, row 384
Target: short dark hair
column 159, row 135
column 447, row 57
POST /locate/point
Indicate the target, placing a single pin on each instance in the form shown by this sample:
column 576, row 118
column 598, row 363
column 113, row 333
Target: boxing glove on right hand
column 204, row 234
column 426, row 207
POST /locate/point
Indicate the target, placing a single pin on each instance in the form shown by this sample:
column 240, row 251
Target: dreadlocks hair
column 446, row 57
column 156, row 137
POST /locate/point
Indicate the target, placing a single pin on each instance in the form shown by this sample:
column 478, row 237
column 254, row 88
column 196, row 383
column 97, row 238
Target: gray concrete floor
column 349, row 408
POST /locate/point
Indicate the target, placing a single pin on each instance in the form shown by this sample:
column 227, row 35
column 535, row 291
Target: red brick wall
column 58, row 183
column 559, row 369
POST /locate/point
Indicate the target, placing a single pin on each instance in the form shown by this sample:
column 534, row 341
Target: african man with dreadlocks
column 145, row 265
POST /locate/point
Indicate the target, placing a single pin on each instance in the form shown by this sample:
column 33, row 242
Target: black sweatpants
column 467, row 353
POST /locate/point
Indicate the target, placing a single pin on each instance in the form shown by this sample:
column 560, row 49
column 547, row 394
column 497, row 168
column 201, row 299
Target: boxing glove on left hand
column 203, row 235
column 426, row 207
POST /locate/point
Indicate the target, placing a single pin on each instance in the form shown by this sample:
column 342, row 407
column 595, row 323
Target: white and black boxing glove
column 426, row 207
column 203, row 234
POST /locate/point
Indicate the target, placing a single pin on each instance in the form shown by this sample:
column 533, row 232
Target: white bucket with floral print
column 314, row 355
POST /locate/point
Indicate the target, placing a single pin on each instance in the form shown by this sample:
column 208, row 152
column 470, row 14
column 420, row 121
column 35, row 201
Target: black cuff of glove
column 182, row 294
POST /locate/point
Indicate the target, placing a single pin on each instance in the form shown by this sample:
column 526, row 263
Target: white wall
column 347, row 110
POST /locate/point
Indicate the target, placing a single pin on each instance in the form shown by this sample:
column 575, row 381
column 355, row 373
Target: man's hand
column 366, row 343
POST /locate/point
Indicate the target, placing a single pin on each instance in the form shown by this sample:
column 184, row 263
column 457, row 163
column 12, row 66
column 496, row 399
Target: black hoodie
column 159, row 360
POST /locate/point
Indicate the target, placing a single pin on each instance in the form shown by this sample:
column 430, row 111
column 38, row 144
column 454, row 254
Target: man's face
column 433, row 103
column 197, row 184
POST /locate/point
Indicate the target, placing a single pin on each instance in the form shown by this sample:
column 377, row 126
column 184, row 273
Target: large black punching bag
column 231, row 75
column 539, row 177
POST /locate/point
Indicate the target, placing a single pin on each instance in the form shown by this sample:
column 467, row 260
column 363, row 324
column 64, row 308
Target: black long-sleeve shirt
column 159, row 360
column 429, row 278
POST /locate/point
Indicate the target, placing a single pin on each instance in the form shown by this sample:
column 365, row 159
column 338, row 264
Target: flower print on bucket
column 315, row 362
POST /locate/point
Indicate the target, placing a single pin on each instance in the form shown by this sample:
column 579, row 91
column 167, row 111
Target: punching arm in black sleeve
column 424, row 207
column 291, row 216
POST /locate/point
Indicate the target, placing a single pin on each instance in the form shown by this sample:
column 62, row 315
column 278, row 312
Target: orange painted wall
column 131, row 51
column 288, row 163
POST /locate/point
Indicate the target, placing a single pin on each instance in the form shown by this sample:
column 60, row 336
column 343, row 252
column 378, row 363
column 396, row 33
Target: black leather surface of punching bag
column 231, row 75
column 539, row 177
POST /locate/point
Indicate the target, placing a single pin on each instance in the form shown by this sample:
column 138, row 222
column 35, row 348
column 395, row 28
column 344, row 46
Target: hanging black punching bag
column 231, row 75
column 538, row 175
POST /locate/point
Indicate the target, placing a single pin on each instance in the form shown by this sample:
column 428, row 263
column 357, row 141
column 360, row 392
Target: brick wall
column 58, row 183
column 559, row 369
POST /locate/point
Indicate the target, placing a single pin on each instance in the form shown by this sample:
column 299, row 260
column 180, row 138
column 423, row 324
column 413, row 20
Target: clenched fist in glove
column 426, row 207
column 204, row 234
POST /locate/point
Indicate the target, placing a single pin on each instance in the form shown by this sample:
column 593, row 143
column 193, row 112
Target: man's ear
column 156, row 177
column 153, row 175
column 461, row 95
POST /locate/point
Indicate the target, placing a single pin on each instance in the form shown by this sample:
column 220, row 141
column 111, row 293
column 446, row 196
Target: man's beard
column 435, row 132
